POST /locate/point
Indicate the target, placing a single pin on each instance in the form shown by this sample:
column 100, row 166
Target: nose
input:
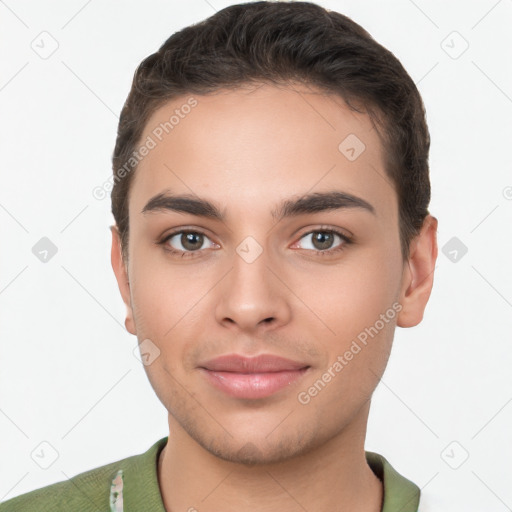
column 251, row 297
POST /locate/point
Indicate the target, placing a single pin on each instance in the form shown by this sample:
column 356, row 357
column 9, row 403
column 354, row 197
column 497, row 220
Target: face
column 297, row 255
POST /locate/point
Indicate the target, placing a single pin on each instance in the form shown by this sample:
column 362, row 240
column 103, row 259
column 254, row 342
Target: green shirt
column 131, row 485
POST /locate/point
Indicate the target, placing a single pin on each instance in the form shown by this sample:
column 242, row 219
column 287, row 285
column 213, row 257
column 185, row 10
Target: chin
column 258, row 451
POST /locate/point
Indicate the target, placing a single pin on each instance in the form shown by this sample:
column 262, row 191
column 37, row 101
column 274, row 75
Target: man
column 270, row 196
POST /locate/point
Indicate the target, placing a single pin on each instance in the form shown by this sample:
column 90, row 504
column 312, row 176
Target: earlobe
column 418, row 275
column 121, row 273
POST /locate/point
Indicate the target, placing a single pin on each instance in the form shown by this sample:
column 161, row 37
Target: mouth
column 252, row 378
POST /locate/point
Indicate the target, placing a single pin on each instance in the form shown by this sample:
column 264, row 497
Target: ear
column 121, row 272
column 418, row 275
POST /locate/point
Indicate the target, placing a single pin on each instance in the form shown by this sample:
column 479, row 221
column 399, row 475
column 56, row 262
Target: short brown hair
column 280, row 43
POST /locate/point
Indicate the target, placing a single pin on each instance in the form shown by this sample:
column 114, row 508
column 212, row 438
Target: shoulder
column 87, row 491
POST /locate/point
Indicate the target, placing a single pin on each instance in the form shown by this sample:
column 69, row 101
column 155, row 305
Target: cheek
column 358, row 304
column 360, row 311
column 354, row 295
column 166, row 299
column 149, row 278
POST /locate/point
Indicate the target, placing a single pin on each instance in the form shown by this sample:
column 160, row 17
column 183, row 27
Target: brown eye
column 186, row 243
column 324, row 241
column 191, row 241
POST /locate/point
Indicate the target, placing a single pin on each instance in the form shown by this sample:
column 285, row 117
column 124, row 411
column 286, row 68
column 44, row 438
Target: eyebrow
column 310, row 203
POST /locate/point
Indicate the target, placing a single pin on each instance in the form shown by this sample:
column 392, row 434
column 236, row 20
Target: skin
column 246, row 151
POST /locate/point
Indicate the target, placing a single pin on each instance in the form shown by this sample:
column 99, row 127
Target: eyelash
column 191, row 254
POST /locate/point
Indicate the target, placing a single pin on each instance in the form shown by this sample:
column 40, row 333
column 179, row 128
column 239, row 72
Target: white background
column 68, row 375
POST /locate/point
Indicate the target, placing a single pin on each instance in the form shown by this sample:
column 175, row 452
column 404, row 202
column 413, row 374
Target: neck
column 333, row 476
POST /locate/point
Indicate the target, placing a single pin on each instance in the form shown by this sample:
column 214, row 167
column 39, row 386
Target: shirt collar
column 400, row 494
column 141, row 491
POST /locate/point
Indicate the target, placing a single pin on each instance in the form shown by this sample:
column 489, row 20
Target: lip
column 254, row 377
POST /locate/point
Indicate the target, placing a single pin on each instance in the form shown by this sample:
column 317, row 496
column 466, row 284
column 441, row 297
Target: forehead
column 259, row 145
